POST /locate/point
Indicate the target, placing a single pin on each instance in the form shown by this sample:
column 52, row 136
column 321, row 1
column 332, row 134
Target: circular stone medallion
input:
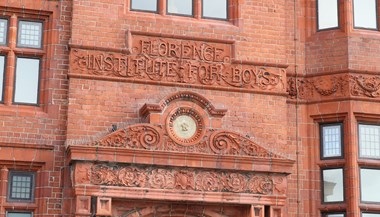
column 185, row 126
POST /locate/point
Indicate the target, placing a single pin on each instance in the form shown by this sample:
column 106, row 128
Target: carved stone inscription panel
column 190, row 62
column 187, row 179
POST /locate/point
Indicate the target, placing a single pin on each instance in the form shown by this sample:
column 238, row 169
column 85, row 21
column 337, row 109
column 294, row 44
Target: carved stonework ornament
column 140, row 136
column 148, row 137
column 185, row 126
column 187, row 179
column 177, row 61
column 366, row 86
column 344, row 85
column 317, row 87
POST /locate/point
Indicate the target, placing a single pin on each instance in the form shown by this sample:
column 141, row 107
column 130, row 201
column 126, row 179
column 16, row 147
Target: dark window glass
column 144, row 5
column 369, row 141
column 370, row 214
column 21, row 186
column 327, row 14
column 214, row 9
column 184, row 7
column 370, row 185
column 19, row 214
column 3, row 31
column 29, row 34
column 332, row 185
column 365, row 14
column 27, row 80
column 2, row 68
column 331, row 140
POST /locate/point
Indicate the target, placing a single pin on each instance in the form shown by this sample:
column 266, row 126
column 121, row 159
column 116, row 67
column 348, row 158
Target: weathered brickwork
column 151, row 114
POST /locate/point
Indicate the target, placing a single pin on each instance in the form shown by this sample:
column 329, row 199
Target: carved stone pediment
column 213, row 142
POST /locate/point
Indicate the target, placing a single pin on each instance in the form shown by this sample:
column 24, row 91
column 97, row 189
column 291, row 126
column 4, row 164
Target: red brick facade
column 151, row 114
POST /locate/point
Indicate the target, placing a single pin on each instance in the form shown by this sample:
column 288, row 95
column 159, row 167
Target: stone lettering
column 178, row 61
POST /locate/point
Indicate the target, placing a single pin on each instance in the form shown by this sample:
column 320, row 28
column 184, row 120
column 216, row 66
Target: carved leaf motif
column 224, row 142
column 209, row 181
column 161, row 179
column 326, row 87
column 365, row 86
column 103, row 175
column 279, row 185
column 117, row 139
column 260, row 185
column 136, row 136
column 195, row 180
column 184, row 180
column 292, row 88
column 132, row 177
column 236, row 182
column 149, row 137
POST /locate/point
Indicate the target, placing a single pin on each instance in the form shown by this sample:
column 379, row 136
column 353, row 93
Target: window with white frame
column 333, row 215
column 369, row 141
column 215, row 9
column 209, row 9
column 145, row 5
column 365, row 14
column 367, row 214
column 180, row 7
column 327, row 14
column 370, row 185
column 331, row 140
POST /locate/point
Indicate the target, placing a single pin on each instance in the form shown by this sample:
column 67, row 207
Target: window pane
column 214, row 9
column 26, row 82
column 3, row 31
column 370, row 185
column 21, row 186
column 29, row 34
column 145, row 5
column 370, row 215
column 2, row 67
column 334, row 215
column 331, row 141
column 333, row 185
column 365, row 14
column 180, row 7
column 19, row 214
column 327, row 14
column 369, row 141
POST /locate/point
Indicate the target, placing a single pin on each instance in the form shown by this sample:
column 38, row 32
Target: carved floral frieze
column 189, row 62
column 187, row 179
column 328, row 86
column 214, row 142
column 365, row 86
